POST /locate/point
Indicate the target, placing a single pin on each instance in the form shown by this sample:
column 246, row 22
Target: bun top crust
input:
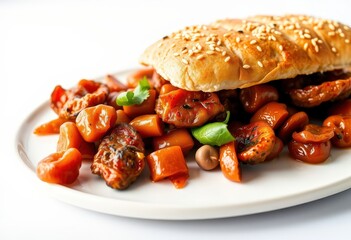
column 234, row 53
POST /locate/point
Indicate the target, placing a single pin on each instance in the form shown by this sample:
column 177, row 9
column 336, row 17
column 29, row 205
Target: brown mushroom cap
column 207, row 157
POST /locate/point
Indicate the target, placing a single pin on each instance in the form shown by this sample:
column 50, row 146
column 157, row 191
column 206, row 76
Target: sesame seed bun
column 232, row 53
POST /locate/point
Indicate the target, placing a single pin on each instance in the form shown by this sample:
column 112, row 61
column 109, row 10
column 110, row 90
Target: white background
column 44, row 43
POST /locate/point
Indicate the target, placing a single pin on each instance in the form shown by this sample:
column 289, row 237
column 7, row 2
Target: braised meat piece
column 183, row 108
column 67, row 103
column 120, row 157
column 313, row 90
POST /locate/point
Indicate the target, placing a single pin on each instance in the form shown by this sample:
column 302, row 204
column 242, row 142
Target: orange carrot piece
column 51, row 127
column 149, row 125
column 168, row 163
column 229, row 162
column 60, row 167
column 146, row 107
column 70, row 138
column 122, row 117
column 177, row 137
column 94, row 122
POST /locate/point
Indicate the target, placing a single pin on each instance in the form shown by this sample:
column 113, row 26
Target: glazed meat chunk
column 120, row 157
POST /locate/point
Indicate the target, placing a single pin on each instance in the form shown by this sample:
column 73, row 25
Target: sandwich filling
column 183, row 108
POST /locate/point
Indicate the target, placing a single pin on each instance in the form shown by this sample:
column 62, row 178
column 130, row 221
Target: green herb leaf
column 215, row 133
column 138, row 96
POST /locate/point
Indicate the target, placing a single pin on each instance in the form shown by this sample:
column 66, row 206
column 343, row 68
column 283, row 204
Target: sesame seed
column 347, row 41
column 219, row 42
column 333, row 49
column 290, row 27
column 212, row 47
column 259, row 48
column 259, row 63
column 320, row 41
column 226, row 34
column 210, row 43
column 316, row 48
column 305, row 46
column 190, row 53
column 186, row 36
column 331, row 26
column 218, row 49
column 173, row 45
column 281, row 47
column 253, row 42
column 210, row 52
column 176, row 54
column 200, row 57
column 226, row 59
column 277, row 33
column 197, row 35
column 184, row 51
column 342, row 35
column 185, row 61
column 224, row 53
column 246, row 66
column 331, row 34
column 306, row 35
column 237, row 39
column 273, row 38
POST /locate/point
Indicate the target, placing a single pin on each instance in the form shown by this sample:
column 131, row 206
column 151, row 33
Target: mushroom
column 207, row 157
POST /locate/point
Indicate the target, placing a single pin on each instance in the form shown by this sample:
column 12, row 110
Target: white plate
column 278, row 184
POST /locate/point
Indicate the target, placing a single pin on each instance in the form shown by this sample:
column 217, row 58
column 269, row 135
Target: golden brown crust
column 232, row 53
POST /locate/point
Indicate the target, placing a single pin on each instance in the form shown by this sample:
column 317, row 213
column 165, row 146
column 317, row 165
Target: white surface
column 260, row 191
column 44, row 43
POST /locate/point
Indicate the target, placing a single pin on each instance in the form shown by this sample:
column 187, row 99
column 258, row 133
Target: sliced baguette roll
column 233, row 53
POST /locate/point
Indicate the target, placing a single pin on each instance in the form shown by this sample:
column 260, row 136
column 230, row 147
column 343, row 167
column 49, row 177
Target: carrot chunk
column 229, row 162
column 178, row 137
column 148, row 125
column 168, row 163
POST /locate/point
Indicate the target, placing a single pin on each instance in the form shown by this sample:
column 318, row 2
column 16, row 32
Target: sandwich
column 303, row 58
